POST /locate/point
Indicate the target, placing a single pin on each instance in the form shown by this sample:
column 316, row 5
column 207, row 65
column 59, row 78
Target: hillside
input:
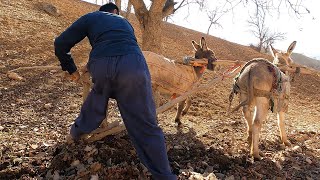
column 36, row 113
column 306, row 61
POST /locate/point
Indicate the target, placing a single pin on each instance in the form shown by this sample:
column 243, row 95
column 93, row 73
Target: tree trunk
column 118, row 3
column 151, row 27
column 128, row 11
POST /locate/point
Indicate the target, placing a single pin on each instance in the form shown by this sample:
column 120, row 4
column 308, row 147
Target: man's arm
column 70, row 37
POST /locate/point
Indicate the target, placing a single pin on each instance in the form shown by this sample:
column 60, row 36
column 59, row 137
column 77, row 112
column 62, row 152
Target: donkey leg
column 261, row 111
column 282, row 130
column 248, row 115
column 187, row 106
column 180, row 106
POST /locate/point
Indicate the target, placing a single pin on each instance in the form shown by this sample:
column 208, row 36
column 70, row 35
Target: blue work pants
column 127, row 80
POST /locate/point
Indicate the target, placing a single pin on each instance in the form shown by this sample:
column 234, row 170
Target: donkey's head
column 281, row 58
column 202, row 51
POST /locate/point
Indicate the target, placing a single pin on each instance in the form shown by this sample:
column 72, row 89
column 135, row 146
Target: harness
column 209, row 64
column 188, row 60
column 277, row 95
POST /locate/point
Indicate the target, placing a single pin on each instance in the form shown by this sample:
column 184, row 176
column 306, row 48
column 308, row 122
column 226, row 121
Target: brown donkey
column 262, row 85
column 175, row 79
column 170, row 78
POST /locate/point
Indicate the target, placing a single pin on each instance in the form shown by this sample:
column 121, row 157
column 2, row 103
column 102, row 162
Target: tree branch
column 168, row 8
column 157, row 6
column 139, row 7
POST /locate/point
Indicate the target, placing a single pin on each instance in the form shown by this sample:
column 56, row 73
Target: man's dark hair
column 109, row 7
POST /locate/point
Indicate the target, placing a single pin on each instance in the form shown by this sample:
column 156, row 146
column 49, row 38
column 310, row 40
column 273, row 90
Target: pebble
column 230, row 177
column 220, row 175
column 297, row 149
column 73, row 106
column 75, row 163
column 48, row 106
column 309, row 160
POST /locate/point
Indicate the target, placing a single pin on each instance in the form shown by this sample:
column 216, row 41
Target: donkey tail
column 248, row 101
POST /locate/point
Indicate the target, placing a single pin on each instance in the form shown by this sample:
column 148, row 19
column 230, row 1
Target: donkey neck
column 198, row 70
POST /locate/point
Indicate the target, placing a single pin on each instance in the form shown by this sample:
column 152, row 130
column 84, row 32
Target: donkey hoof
column 257, row 158
column 282, row 146
column 178, row 122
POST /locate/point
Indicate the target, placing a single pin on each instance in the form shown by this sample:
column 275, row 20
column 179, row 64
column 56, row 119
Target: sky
column 305, row 30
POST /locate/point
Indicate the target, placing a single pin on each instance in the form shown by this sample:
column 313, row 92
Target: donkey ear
column 291, row 47
column 196, row 46
column 203, row 43
column 273, row 51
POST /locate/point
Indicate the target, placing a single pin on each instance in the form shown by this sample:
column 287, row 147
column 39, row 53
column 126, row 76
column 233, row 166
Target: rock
column 48, row 106
column 1, row 128
column 296, row 167
column 34, row 146
column 308, row 160
column 49, row 9
column 177, row 147
column 14, row 76
column 205, row 164
column 94, row 177
column 211, row 176
column 230, row 177
column 73, row 106
column 196, row 176
column 75, row 163
column 95, row 167
column 56, row 175
column 88, row 148
column 90, row 160
column 49, row 175
column 17, row 160
column 109, row 162
column 220, row 175
column 278, row 164
column 23, row 127
column 209, row 169
column 302, row 138
column 297, row 149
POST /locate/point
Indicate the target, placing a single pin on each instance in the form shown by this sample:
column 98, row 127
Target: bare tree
column 151, row 18
column 259, row 28
column 214, row 17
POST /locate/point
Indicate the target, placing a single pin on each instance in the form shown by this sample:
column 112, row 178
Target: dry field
column 35, row 114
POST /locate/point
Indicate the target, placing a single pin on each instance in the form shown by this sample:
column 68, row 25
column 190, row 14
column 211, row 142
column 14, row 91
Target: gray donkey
column 262, row 85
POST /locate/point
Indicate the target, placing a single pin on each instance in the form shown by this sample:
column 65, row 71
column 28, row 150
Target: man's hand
column 73, row 77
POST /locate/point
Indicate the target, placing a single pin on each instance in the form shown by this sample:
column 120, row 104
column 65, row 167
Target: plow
column 233, row 67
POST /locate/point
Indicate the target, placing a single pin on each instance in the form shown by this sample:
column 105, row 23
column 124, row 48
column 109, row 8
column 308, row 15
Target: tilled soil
column 36, row 113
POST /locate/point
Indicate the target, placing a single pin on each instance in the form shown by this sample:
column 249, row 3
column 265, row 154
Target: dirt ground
column 36, row 113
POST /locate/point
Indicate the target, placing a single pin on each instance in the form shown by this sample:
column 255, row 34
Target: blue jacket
column 109, row 35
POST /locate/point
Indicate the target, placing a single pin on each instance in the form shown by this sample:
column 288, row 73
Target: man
column 119, row 71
